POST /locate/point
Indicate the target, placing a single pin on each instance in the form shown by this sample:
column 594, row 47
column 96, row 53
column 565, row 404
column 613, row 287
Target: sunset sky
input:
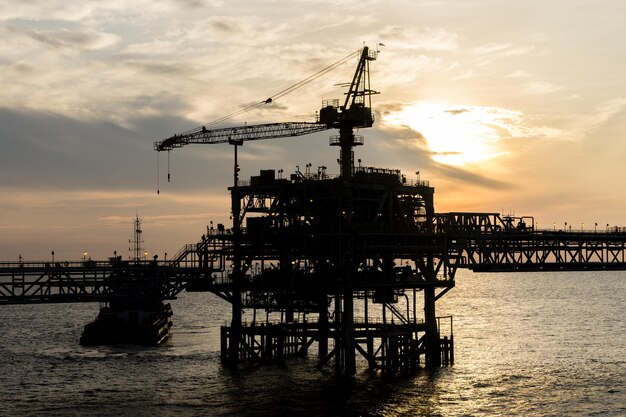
column 505, row 106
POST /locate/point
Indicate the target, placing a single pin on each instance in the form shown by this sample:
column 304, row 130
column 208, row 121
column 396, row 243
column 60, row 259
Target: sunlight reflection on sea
column 539, row 344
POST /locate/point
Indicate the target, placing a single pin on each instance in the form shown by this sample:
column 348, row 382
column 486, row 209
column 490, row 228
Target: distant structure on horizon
column 136, row 249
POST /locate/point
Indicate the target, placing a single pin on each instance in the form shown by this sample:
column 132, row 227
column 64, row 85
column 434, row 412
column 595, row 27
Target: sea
column 526, row 344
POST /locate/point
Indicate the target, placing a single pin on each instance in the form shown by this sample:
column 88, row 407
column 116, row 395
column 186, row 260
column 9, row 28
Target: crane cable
column 312, row 77
column 269, row 100
column 158, row 176
column 279, row 94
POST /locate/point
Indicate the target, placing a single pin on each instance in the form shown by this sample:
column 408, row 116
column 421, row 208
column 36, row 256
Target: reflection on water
column 538, row 344
column 299, row 389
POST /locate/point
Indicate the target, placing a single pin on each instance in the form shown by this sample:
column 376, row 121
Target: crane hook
column 168, row 166
column 158, row 175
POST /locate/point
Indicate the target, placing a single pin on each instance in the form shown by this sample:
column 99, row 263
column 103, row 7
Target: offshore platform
column 351, row 263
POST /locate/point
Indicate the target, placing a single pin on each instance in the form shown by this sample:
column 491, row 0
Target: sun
column 456, row 135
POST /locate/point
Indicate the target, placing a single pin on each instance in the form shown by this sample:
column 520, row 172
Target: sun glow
column 457, row 135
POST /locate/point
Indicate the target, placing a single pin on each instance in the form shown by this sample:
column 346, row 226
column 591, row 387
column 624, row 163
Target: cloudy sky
column 505, row 106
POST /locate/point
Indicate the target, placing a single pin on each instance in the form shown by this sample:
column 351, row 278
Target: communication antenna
column 136, row 243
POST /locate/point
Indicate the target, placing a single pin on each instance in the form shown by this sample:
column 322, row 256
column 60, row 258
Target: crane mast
column 356, row 112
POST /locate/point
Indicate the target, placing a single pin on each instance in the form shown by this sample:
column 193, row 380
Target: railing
column 359, row 321
column 447, row 323
column 322, row 175
column 308, row 176
column 87, row 264
column 335, row 140
column 415, row 183
column 374, row 170
column 615, row 230
column 182, row 253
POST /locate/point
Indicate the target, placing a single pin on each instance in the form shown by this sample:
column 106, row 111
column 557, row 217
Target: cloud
column 491, row 48
column 456, row 111
column 399, row 68
column 234, row 31
column 36, row 198
column 46, row 9
column 470, row 177
column 487, row 54
column 197, row 4
column 502, row 50
column 96, row 11
column 159, row 68
column 448, row 153
column 427, row 39
column 466, row 135
column 541, row 87
column 162, row 220
column 518, row 74
column 584, row 124
column 68, row 39
column 442, row 117
column 465, row 75
column 130, row 60
column 67, row 153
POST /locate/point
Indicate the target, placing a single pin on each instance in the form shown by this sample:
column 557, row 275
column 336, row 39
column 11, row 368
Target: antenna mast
column 136, row 249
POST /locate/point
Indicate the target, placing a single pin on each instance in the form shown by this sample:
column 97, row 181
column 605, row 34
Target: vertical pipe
column 224, row 336
column 348, row 333
column 236, row 295
column 346, row 142
column 433, row 354
column 339, row 351
column 414, row 306
column 347, row 161
column 322, row 331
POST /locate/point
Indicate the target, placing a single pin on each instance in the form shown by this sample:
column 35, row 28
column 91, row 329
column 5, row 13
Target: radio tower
column 136, row 249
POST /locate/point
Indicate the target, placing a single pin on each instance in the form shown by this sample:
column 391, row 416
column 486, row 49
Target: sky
column 515, row 107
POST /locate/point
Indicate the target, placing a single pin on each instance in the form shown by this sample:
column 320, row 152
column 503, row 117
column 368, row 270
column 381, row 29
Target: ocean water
column 527, row 344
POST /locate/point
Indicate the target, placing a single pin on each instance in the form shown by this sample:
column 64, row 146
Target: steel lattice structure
column 354, row 263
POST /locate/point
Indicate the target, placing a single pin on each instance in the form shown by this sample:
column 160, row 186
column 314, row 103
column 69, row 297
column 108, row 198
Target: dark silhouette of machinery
column 353, row 262
column 319, row 239
column 356, row 112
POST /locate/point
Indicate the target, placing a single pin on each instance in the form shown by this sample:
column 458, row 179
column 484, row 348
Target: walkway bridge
column 489, row 242
column 92, row 281
column 476, row 241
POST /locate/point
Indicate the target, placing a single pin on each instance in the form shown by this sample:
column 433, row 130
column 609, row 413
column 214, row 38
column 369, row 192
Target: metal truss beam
column 90, row 281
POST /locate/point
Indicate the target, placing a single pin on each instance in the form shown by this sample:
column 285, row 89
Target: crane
column 356, row 112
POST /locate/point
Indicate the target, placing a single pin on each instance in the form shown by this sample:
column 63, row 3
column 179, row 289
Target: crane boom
column 240, row 133
column 355, row 113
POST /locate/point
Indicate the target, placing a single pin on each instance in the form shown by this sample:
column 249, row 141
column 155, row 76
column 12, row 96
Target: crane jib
column 242, row 133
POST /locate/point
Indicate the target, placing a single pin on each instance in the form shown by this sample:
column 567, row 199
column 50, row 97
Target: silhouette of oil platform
column 353, row 262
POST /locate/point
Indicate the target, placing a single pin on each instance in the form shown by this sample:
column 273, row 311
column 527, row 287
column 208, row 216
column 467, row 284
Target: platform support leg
column 433, row 347
column 322, row 341
column 433, row 354
column 348, row 333
column 235, row 330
